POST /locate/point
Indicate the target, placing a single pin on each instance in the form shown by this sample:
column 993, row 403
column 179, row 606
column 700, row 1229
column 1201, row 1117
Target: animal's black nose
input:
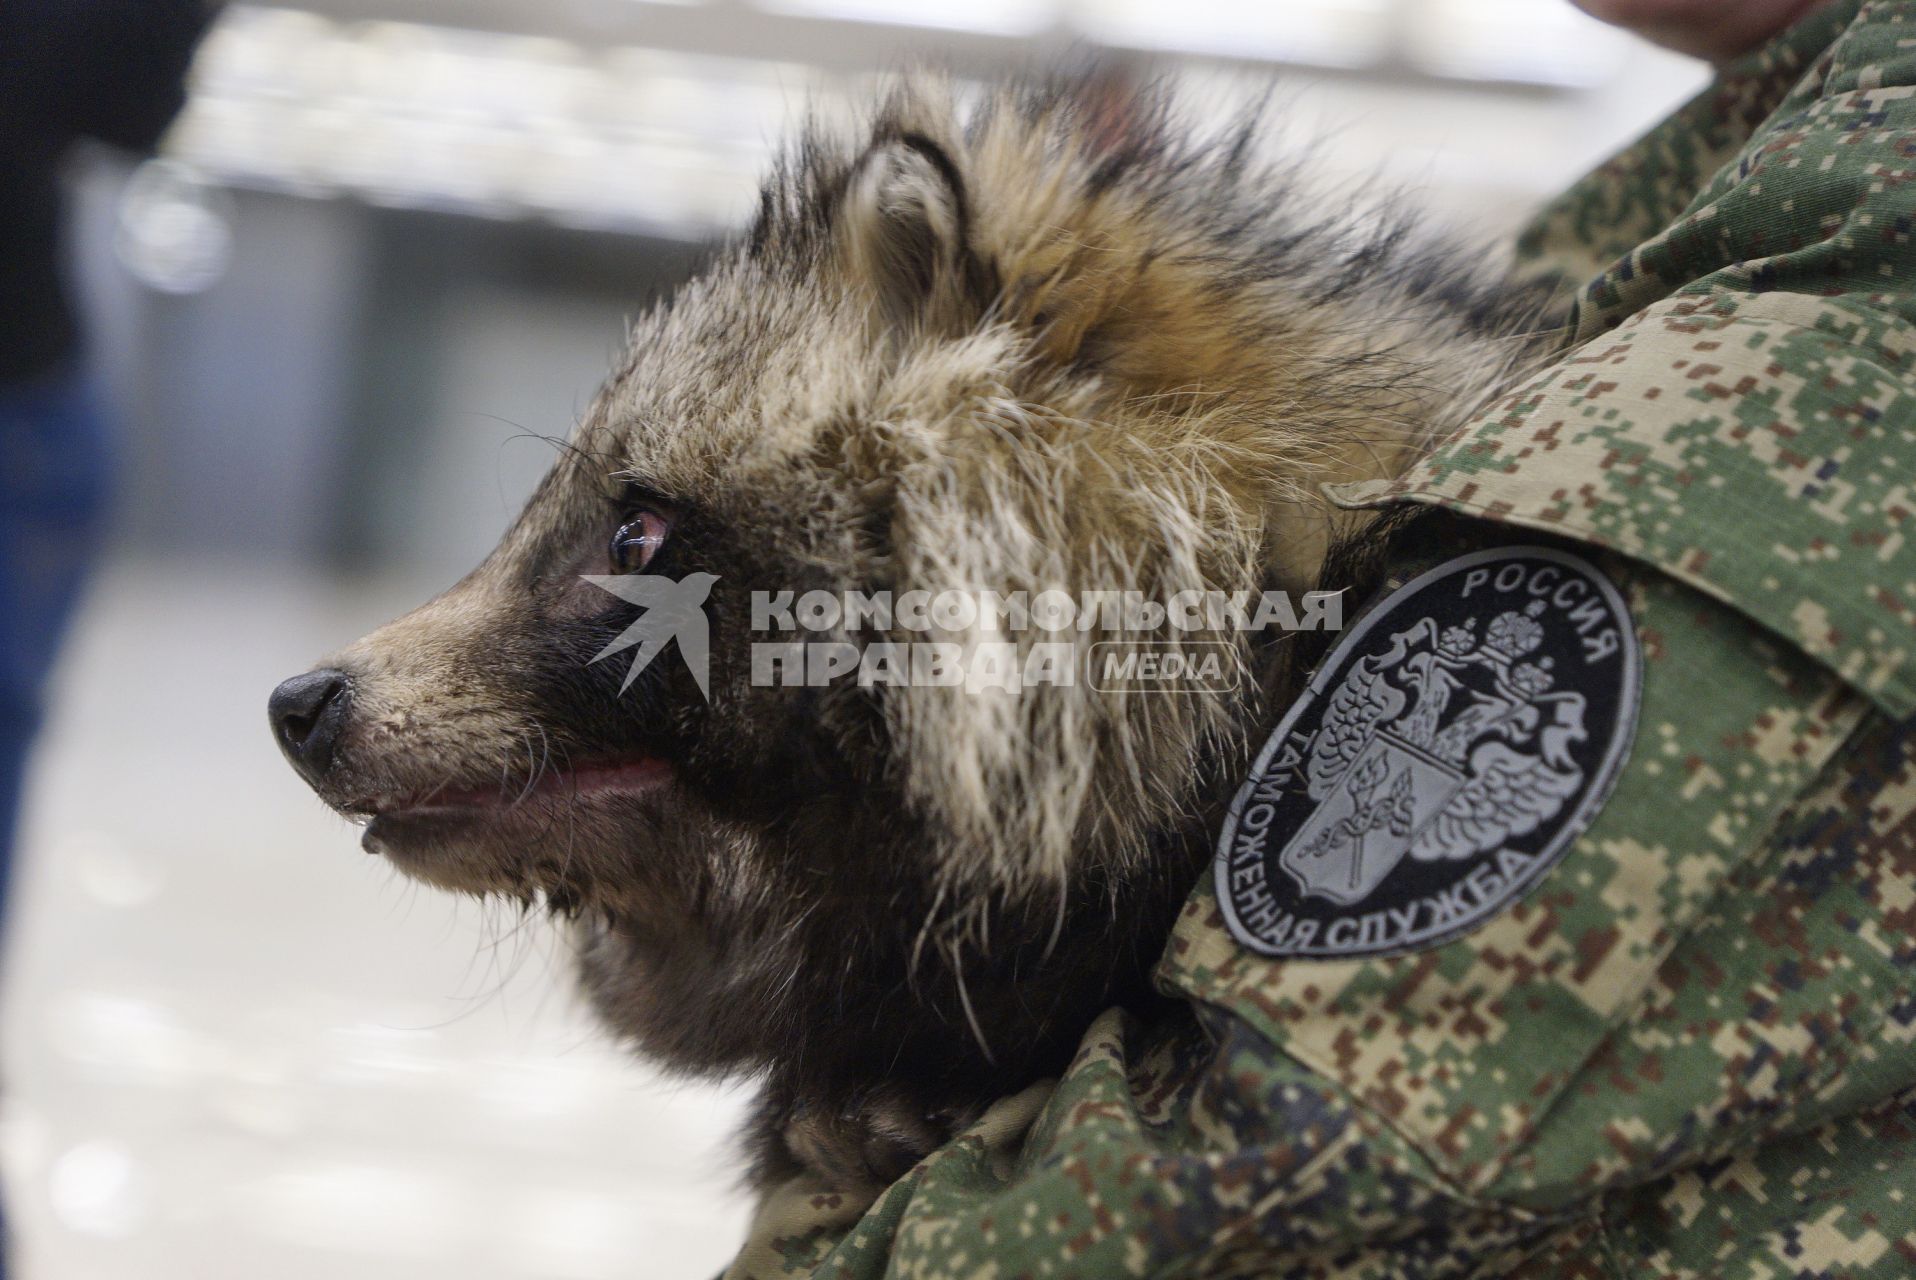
column 307, row 713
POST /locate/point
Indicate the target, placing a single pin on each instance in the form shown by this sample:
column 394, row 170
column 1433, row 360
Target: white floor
column 235, row 1046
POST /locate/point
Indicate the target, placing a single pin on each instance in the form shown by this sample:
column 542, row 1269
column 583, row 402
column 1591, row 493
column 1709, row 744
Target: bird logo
column 673, row 609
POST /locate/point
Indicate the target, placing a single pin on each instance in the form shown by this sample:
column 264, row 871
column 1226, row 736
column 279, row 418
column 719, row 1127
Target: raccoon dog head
column 1052, row 343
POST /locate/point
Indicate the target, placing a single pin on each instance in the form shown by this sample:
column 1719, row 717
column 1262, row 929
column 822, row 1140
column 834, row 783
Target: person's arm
column 1714, row 30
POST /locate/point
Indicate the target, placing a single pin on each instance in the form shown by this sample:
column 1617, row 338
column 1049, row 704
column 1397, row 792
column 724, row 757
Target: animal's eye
column 638, row 540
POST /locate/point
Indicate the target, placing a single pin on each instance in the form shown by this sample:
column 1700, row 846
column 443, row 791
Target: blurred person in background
column 111, row 71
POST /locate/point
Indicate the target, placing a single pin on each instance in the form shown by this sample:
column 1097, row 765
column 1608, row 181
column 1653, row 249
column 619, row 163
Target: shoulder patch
column 1445, row 755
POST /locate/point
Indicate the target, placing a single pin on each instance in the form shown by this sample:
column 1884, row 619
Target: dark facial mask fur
column 1057, row 342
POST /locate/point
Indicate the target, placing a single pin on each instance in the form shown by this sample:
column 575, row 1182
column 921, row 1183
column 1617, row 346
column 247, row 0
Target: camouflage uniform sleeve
column 1691, row 1050
column 1734, row 406
column 1648, row 186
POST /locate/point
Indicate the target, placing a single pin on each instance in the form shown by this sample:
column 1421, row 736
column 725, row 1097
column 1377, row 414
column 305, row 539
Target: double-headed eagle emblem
column 1445, row 745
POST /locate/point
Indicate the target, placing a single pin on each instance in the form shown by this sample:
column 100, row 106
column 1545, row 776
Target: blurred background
column 386, row 247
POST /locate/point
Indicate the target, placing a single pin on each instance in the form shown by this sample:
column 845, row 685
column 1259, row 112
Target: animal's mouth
column 482, row 838
column 638, row 776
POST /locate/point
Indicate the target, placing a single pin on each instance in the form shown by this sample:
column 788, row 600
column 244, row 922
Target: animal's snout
column 307, row 713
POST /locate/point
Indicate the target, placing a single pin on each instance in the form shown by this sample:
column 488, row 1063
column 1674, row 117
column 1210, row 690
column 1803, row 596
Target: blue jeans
column 53, row 470
column 53, row 483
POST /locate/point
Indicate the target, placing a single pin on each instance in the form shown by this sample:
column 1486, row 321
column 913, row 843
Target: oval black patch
column 1442, row 759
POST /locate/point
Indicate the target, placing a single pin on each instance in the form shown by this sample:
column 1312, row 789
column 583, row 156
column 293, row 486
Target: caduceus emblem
column 1444, row 745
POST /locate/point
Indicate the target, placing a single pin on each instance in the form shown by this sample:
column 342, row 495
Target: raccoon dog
column 1051, row 341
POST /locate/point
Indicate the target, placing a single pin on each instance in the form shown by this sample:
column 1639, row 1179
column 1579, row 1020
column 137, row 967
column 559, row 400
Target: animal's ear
column 1121, row 119
column 907, row 229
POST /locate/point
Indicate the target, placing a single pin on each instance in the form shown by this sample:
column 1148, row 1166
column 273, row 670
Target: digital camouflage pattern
column 1692, row 1050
